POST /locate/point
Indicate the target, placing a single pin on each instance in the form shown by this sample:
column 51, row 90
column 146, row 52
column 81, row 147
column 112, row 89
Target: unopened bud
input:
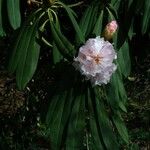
column 110, row 29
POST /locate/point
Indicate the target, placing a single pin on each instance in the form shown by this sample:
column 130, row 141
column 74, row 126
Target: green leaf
column 105, row 125
column 98, row 26
column 95, row 142
column 124, row 59
column 76, row 125
column 92, row 21
column 63, row 44
column 13, row 9
column 25, row 55
column 56, row 54
column 57, row 117
column 116, row 94
column 131, row 31
column 84, row 22
column 116, row 4
column 146, row 16
column 74, row 23
column 62, row 97
column 113, row 12
column 117, row 119
column 2, row 32
column 110, row 13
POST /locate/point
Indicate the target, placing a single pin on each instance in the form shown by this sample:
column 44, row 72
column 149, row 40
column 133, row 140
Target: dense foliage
column 45, row 103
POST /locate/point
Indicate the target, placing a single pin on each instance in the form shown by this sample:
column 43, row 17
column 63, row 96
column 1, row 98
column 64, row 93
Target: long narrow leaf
column 84, row 22
column 56, row 54
column 92, row 21
column 57, row 117
column 105, row 125
column 121, row 127
column 146, row 16
column 98, row 26
column 124, row 59
column 13, row 9
column 95, row 140
column 26, row 52
column 59, row 40
column 116, row 93
column 2, row 33
column 76, row 125
column 74, row 22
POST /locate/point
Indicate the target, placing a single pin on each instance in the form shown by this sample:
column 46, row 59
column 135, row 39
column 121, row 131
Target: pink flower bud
column 110, row 29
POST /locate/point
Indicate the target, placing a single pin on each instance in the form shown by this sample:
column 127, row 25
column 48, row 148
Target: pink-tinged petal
column 95, row 60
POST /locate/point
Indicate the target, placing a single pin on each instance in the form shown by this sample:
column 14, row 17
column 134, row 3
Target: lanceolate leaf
column 84, row 22
column 2, row 33
column 146, row 16
column 98, row 26
column 95, row 142
column 13, row 9
column 116, row 93
column 57, row 117
column 124, row 59
column 92, row 21
column 117, row 119
column 62, row 98
column 74, row 23
column 106, row 128
column 116, row 4
column 56, row 54
column 75, row 134
column 26, row 52
column 88, row 21
column 63, row 45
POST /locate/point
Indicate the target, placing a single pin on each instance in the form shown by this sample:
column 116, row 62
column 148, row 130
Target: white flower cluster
column 95, row 60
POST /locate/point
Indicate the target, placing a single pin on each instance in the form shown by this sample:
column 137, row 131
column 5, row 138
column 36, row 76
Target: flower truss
column 95, row 60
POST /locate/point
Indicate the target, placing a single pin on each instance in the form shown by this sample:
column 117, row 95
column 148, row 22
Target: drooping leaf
column 64, row 46
column 62, row 97
column 92, row 21
column 76, row 125
column 84, row 22
column 146, row 16
column 117, row 119
column 98, row 26
column 116, row 4
column 95, row 142
column 116, row 94
column 105, row 125
column 25, row 55
column 57, row 117
column 131, row 31
column 110, row 13
column 113, row 11
column 124, row 59
column 74, row 22
column 13, row 9
column 56, row 54
column 2, row 33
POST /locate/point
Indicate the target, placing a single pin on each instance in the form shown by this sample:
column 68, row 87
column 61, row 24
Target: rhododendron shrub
column 87, row 62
